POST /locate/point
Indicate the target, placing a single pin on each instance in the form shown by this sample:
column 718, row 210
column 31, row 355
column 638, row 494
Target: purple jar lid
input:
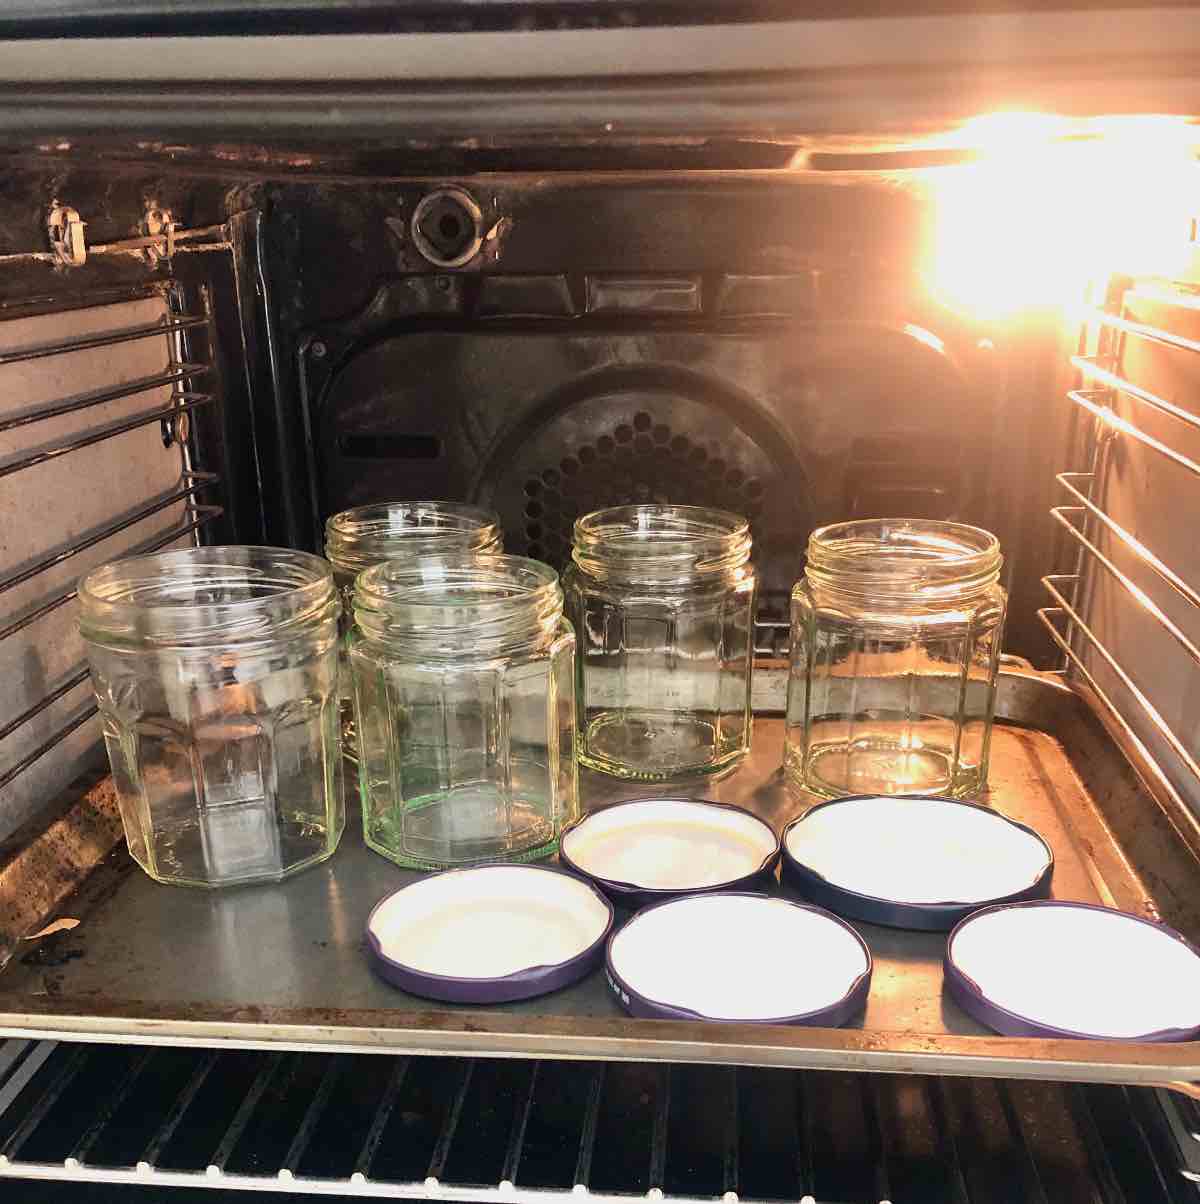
column 1057, row 969
column 490, row 934
column 739, row 958
column 645, row 850
column 913, row 861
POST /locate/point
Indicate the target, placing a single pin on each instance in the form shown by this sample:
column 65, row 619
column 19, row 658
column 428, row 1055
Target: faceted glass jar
column 463, row 673
column 215, row 671
column 896, row 632
column 368, row 535
column 662, row 600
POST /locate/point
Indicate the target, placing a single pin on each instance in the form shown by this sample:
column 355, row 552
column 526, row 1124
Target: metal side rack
column 1125, row 595
column 480, row 1130
column 184, row 380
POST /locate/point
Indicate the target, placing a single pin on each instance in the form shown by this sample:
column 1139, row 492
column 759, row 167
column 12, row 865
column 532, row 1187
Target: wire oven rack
column 1088, row 525
column 186, row 379
column 480, row 1130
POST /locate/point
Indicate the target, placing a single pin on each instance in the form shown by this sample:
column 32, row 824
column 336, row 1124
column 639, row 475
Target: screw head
column 318, row 350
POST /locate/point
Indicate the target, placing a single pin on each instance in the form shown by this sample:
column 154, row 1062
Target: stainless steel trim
column 972, row 40
column 174, row 1118
column 271, row 1069
column 34, row 1060
column 1181, row 813
column 1139, row 549
column 131, row 388
column 166, row 244
column 1163, row 337
column 204, row 514
column 896, row 1138
column 111, row 338
column 202, row 480
column 15, row 771
column 76, row 679
column 303, row 984
column 78, row 1155
column 34, row 1117
column 1147, row 604
column 182, row 403
column 1118, row 384
column 366, row 1157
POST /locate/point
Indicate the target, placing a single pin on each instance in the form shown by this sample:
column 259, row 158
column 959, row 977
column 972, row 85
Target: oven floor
column 285, row 965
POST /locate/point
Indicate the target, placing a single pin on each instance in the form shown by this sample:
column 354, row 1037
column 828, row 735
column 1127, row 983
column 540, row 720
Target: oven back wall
column 758, row 341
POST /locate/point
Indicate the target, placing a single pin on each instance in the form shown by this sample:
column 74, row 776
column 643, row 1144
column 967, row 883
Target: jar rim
column 661, row 544
column 653, row 526
column 220, row 593
column 363, row 536
column 463, row 597
column 914, row 547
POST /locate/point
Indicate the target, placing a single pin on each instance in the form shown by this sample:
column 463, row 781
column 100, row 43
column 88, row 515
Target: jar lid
column 359, row 538
column 912, row 861
column 207, row 597
column 739, row 958
column 642, row 850
column 490, row 934
column 1059, row 969
column 459, row 602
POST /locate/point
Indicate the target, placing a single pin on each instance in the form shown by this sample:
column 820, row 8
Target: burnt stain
column 52, row 953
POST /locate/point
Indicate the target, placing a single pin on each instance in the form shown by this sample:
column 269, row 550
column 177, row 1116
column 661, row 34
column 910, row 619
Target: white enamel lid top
column 1086, row 970
column 670, row 844
column 489, row 922
column 917, row 850
column 738, row 957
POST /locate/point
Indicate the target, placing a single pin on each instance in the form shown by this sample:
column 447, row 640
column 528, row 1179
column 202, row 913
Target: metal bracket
column 66, row 228
column 159, row 224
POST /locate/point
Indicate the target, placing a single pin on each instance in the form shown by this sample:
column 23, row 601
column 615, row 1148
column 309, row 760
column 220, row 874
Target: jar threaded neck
column 922, row 560
column 359, row 538
column 661, row 544
column 459, row 603
column 207, row 597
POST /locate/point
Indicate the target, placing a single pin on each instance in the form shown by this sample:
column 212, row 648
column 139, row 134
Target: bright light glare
column 1051, row 206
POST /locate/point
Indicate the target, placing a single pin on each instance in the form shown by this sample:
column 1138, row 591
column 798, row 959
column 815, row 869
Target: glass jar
column 368, row 535
column 463, row 671
column 662, row 598
column 215, row 671
column 896, row 631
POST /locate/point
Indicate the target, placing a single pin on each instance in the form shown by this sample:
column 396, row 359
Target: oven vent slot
column 1127, row 615
column 510, row 1130
column 126, row 386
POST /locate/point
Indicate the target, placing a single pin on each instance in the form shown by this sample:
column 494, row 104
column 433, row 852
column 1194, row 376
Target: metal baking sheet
column 284, row 966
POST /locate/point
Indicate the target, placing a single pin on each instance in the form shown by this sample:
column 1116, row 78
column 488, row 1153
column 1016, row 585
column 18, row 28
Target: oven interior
column 996, row 324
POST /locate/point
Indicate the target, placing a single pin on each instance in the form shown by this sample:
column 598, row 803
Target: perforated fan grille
column 641, row 461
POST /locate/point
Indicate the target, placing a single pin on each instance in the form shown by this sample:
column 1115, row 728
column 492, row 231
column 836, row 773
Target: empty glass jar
column 662, row 600
column 464, row 699
column 896, row 631
column 215, row 671
column 368, row 535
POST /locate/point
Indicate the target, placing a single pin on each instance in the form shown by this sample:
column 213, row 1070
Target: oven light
column 1048, row 206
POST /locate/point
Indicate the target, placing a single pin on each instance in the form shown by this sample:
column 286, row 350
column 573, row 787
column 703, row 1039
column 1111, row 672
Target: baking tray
column 284, row 967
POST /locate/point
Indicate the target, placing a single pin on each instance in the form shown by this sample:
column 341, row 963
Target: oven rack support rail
column 527, row 1132
column 1085, row 521
column 186, row 379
